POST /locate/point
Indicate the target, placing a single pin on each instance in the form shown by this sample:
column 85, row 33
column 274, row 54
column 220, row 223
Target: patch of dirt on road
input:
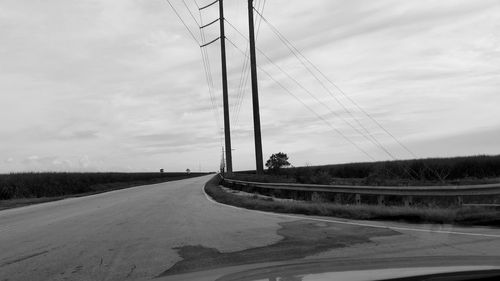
column 300, row 239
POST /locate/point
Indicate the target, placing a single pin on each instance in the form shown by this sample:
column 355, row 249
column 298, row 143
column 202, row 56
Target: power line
column 244, row 74
column 312, row 95
column 189, row 10
column 242, row 84
column 307, row 106
column 303, row 60
column 184, row 23
column 366, row 134
column 290, row 45
column 208, row 72
column 297, row 53
column 294, row 52
column 206, row 64
column 209, row 77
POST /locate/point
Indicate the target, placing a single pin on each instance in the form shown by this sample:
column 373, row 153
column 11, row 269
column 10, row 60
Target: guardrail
column 406, row 192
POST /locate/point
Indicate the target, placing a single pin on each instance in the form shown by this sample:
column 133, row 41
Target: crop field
column 418, row 172
column 430, row 171
column 19, row 189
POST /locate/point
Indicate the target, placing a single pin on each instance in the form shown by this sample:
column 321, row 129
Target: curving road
column 160, row 230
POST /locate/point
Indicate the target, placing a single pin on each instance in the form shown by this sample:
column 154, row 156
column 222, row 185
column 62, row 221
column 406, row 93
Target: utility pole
column 225, row 98
column 255, row 92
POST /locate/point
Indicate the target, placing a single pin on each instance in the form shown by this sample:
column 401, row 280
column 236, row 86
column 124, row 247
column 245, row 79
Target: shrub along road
column 171, row 228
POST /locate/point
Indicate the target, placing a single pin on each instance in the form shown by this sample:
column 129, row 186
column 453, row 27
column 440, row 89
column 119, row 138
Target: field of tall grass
column 41, row 185
column 433, row 171
column 430, row 171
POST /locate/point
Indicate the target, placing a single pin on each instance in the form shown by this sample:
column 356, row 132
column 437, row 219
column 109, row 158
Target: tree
column 277, row 161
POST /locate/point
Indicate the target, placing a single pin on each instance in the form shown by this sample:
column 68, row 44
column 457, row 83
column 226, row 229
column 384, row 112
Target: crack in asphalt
column 131, row 271
column 23, row 258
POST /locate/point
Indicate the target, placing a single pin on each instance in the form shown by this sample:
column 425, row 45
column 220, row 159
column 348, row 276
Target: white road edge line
column 350, row 222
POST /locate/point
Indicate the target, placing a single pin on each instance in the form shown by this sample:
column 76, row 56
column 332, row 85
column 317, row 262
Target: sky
column 119, row 85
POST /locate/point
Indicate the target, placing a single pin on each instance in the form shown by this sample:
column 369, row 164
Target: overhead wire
column 210, row 83
column 240, row 88
column 288, row 43
column 295, row 51
column 205, row 57
column 307, row 106
column 247, row 76
column 378, row 124
column 304, row 61
column 300, row 85
column 192, row 16
column 209, row 76
column 183, row 22
column 245, row 72
column 298, row 54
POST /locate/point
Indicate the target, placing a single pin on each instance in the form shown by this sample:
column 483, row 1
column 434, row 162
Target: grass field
column 20, row 189
column 480, row 169
column 431, row 171
column 457, row 215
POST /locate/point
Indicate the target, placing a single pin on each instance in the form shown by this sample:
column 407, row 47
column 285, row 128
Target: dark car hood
column 347, row 269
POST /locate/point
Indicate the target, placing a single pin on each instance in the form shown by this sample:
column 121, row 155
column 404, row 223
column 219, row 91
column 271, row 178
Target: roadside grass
column 458, row 215
column 21, row 202
column 58, row 186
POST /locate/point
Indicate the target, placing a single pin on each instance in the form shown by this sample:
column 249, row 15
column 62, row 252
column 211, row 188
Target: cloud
column 120, row 85
column 9, row 160
column 79, row 135
column 85, row 161
column 31, row 159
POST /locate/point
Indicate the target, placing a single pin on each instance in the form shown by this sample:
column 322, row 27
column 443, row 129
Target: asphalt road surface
column 164, row 229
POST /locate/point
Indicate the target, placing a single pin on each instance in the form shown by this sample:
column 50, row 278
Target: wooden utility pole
column 255, row 92
column 225, row 98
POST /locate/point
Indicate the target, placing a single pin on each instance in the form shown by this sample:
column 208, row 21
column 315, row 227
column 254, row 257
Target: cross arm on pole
column 208, row 5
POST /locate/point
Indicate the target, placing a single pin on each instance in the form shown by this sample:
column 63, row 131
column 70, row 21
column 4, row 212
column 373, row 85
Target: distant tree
column 277, row 161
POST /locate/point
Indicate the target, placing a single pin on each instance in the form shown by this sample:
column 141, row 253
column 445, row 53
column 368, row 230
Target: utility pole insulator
column 255, row 93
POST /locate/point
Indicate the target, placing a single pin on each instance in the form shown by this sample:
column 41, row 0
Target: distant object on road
column 188, row 171
column 161, row 171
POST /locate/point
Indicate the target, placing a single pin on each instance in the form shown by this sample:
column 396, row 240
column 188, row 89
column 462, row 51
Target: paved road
column 135, row 234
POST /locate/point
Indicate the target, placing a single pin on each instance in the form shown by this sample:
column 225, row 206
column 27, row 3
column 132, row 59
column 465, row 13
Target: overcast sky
column 118, row 85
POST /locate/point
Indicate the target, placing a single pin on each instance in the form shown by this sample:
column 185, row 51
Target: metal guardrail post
column 315, row 197
column 381, row 200
column 338, row 198
column 408, row 200
column 357, row 199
